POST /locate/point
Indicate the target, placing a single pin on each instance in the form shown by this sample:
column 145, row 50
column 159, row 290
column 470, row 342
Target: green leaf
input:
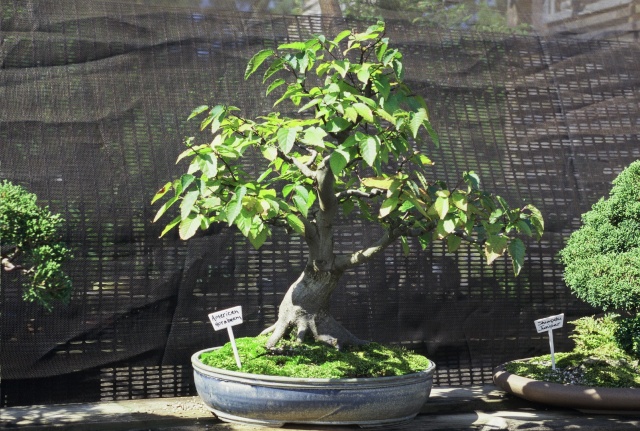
column 287, row 189
column 275, row 67
column 258, row 239
column 160, row 193
column 494, row 247
column 405, row 246
column 292, row 93
column 188, row 203
column 425, row 240
column 347, row 207
column 275, row 84
column 453, row 243
column 523, row 227
column 286, row 138
column 208, row 164
column 171, row 225
column 364, row 111
column 270, row 153
column 297, row 46
column 191, row 151
column 382, row 86
column 351, row 114
column 472, row 180
column 263, row 176
column 308, row 105
column 302, row 192
column 363, row 75
column 341, row 66
column 517, row 251
column 432, row 133
column 388, row 205
column 235, row 206
column 416, row 121
column 398, row 67
column 459, row 200
column 369, row 148
column 165, row 207
column 337, row 124
column 441, row 206
column 186, row 180
column 295, row 223
column 378, row 182
column 314, row 136
column 199, row 110
column 341, row 36
column 189, row 226
column 338, row 161
column 440, row 230
column 536, row 220
column 301, row 205
column 449, row 225
column 256, row 61
column 216, row 115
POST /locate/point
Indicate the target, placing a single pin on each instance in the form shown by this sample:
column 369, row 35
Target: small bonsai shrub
column 602, row 258
column 31, row 247
column 357, row 148
column 597, row 360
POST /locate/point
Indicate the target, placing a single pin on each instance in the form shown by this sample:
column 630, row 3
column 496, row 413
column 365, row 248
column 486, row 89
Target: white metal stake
column 553, row 358
column 235, row 348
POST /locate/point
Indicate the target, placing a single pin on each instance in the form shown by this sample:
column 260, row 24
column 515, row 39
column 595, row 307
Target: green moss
column 579, row 369
column 315, row 360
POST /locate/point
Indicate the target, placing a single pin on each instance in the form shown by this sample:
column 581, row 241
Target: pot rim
column 376, row 381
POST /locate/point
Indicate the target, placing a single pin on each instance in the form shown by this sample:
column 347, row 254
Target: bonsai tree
column 30, row 246
column 358, row 147
column 602, row 258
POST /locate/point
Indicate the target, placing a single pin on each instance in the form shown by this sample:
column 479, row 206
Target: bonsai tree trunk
column 305, row 309
column 305, row 306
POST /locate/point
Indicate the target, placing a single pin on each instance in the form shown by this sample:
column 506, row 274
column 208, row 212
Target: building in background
column 591, row 19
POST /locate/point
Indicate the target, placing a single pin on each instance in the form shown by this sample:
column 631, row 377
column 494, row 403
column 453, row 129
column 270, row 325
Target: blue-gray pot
column 273, row 400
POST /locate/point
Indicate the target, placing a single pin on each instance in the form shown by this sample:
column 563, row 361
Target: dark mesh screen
column 93, row 101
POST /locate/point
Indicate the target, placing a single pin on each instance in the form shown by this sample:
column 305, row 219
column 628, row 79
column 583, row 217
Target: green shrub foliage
column 602, row 258
column 31, row 246
column 628, row 335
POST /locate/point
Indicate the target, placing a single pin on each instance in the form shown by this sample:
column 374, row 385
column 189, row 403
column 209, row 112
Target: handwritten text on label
column 548, row 323
column 226, row 318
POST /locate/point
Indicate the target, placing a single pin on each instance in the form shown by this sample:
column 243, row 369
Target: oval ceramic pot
column 585, row 398
column 273, row 400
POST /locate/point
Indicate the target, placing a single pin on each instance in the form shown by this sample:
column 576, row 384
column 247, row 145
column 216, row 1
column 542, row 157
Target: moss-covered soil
column 315, row 360
column 580, row 369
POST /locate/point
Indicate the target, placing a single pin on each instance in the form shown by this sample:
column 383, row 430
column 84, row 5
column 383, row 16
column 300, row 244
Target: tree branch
column 302, row 167
column 346, row 261
column 359, row 193
column 312, row 158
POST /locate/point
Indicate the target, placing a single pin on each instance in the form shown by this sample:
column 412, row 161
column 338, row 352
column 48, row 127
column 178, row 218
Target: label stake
column 226, row 319
column 548, row 324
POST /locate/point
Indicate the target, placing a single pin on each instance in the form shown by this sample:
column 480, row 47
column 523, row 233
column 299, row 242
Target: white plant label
column 226, row 319
column 548, row 324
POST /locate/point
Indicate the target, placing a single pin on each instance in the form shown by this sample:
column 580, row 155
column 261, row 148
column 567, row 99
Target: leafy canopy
column 31, row 246
column 358, row 142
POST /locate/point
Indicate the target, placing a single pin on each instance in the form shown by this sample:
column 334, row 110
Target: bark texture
column 305, row 307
